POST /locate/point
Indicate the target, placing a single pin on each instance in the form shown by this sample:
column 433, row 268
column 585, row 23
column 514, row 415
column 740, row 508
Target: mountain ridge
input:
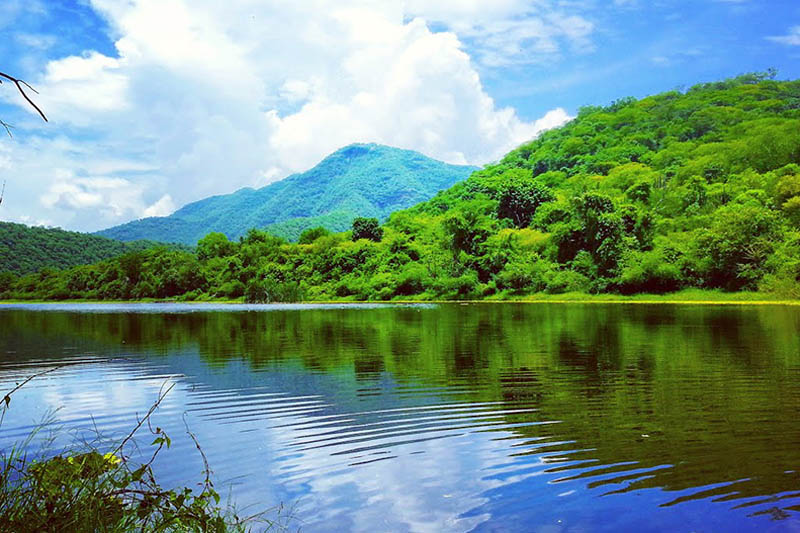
column 370, row 180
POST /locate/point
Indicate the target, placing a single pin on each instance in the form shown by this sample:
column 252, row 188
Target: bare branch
column 21, row 84
column 7, row 127
column 161, row 395
column 6, row 400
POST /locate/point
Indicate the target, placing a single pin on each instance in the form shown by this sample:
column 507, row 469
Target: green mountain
column 366, row 180
column 681, row 190
column 25, row 249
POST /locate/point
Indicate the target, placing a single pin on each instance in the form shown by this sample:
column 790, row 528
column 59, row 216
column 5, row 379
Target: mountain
column 25, row 249
column 367, row 180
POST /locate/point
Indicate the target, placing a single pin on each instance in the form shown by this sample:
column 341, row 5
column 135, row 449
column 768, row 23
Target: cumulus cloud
column 204, row 97
column 164, row 206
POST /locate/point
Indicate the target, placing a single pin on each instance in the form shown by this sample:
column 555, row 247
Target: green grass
column 687, row 296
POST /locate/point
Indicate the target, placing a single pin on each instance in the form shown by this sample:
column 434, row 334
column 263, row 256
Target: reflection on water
column 444, row 418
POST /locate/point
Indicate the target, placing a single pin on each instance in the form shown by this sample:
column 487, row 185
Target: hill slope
column 359, row 180
column 675, row 191
column 25, row 249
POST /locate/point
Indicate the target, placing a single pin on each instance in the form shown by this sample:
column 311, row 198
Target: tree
column 214, row 244
column 519, row 201
column 367, row 228
column 312, row 234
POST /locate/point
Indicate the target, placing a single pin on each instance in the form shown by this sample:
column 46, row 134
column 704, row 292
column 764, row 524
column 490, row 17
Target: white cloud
column 163, row 207
column 206, row 97
column 108, row 196
column 509, row 32
column 35, row 40
column 792, row 38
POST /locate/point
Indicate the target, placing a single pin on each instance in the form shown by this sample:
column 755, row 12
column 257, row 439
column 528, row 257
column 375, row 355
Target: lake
column 452, row 417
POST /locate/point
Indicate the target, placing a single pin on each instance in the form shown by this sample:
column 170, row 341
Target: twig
column 7, row 398
column 161, row 395
column 20, row 83
column 207, row 469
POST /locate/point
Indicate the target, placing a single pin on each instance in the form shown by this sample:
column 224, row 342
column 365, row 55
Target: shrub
column 269, row 290
column 367, row 228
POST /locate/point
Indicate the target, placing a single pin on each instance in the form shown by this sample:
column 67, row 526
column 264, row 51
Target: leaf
column 138, row 473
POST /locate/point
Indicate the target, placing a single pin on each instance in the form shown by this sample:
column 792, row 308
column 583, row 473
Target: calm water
column 442, row 418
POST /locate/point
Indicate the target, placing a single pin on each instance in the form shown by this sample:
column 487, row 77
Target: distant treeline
column 680, row 190
column 25, row 249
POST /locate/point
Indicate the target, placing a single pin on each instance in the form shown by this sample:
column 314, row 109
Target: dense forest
column 695, row 189
column 368, row 180
column 25, row 249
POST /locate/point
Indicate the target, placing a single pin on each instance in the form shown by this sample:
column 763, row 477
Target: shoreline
column 687, row 298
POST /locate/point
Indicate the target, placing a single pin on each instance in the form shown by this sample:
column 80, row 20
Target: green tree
column 519, row 201
column 312, row 234
column 738, row 245
column 214, row 245
column 367, row 228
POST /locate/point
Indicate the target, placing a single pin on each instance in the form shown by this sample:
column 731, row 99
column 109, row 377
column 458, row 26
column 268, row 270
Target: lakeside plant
column 86, row 489
column 677, row 191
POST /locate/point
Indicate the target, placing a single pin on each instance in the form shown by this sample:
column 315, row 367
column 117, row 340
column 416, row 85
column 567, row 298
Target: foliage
column 367, row 228
column 25, row 249
column 84, row 489
column 312, row 234
column 672, row 192
column 519, row 200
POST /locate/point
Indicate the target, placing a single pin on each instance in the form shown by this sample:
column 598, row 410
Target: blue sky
column 156, row 103
column 650, row 47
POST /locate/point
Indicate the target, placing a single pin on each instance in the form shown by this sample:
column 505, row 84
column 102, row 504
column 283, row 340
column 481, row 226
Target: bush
column 232, row 289
column 649, row 272
column 271, row 291
column 563, row 281
column 367, row 228
column 312, row 234
column 524, row 275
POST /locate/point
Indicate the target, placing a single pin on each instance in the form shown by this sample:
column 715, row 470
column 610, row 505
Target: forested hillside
column 680, row 190
column 358, row 180
column 25, row 249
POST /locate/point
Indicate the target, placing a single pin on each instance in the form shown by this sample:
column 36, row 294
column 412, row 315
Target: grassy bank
column 688, row 296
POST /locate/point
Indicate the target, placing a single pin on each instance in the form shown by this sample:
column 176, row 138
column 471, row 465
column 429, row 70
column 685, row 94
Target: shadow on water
column 698, row 403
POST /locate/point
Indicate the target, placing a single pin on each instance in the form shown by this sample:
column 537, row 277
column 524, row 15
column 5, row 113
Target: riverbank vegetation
column 694, row 190
column 86, row 488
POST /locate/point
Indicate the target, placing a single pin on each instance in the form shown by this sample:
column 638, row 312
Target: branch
column 6, row 400
column 7, row 126
column 21, row 88
column 161, row 395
